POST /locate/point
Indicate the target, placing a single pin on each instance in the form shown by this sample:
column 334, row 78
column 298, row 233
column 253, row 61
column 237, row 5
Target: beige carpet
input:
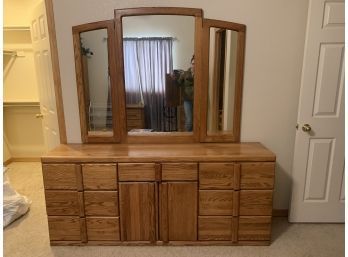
column 28, row 236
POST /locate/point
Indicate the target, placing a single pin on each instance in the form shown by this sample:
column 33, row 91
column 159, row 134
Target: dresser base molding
column 160, row 243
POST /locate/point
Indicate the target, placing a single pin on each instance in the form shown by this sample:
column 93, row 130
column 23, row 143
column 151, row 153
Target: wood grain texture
column 236, row 178
column 119, row 13
column 81, row 204
column 222, row 136
column 179, row 171
column 99, row 176
column 64, row 228
column 137, row 171
column 160, row 243
column 255, row 202
column 236, row 203
column 56, row 71
column 215, row 202
column 137, row 211
column 85, row 135
column 215, row 228
column 59, row 176
column 216, row 175
column 209, row 152
column 79, row 180
column 163, row 215
column 257, row 175
column 235, row 227
column 103, row 228
column 62, row 202
column 101, row 203
column 83, row 230
column 182, row 211
column 254, row 228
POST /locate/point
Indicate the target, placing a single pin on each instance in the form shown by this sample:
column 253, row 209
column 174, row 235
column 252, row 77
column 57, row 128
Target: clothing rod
column 8, row 52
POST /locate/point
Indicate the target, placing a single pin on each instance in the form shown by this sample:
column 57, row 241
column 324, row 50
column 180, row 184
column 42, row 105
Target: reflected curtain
column 146, row 63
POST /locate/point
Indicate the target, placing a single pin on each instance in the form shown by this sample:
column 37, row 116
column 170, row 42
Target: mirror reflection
column 222, row 76
column 96, row 80
column 159, row 72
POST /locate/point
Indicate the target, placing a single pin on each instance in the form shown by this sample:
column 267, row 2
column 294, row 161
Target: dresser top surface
column 159, row 152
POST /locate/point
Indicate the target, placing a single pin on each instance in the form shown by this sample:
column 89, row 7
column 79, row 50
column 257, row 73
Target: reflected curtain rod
column 148, row 38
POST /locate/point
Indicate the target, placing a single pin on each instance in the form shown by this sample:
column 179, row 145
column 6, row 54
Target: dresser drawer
column 103, row 228
column 257, row 175
column 60, row 202
column 216, row 175
column 179, row 171
column 99, row 176
column 60, row 176
column 135, row 124
column 255, row 202
column 254, row 228
column 64, row 228
column 137, row 171
column 101, row 203
column 215, row 228
column 134, row 114
column 215, row 202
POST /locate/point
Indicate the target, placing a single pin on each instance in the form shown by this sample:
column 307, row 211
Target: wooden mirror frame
column 222, row 136
column 86, row 135
column 159, row 137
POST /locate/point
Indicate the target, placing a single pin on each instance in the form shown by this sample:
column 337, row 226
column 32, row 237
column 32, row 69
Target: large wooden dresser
column 177, row 194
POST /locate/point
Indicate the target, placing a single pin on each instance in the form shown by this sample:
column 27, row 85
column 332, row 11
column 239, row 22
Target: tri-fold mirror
column 159, row 75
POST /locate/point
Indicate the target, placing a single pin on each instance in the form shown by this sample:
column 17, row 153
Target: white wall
column 17, row 12
column 181, row 28
column 19, row 79
column 274, row 51
column 98, row 76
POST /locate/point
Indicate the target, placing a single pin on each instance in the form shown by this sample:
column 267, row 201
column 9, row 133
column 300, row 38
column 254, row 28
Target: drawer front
column 64, row 228
column 255, row 202
column 215, row 202
column 134, row 114
column 254, row 228
column 257, row 175
column 179, row 171
column 60, row 176
column 102, row 228
column 137, row 171
column 135, row 124
column 62, row 202
column 215, row 228
column 99, row 203
column 99, row 176
column 216, row 175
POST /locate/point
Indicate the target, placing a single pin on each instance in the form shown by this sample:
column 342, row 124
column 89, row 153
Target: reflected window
column 157, row 52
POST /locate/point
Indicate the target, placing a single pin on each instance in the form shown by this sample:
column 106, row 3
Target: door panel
column 182, row 211
column 43, row 66
column 137, row 211
column 318, row 168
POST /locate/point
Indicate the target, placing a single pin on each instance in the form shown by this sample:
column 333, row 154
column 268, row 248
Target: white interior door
column 43, row 65
column 318, row 168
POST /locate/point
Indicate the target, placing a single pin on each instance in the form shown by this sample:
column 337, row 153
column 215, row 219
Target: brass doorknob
column 306, row 128
column 39, row 115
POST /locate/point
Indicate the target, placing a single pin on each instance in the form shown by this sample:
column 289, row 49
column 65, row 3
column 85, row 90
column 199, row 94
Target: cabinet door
column 178, row 211
column 137, row 211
